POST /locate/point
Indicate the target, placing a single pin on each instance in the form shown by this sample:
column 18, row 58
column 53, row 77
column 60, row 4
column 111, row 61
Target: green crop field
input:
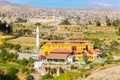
column 111, row 36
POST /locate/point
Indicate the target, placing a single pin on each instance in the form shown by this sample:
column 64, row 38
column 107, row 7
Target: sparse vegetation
column 65, row 22
column 47, row 76
column 30, row 77
column 20, row 20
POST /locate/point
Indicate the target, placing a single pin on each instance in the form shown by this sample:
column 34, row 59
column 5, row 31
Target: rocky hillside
column 76, row 16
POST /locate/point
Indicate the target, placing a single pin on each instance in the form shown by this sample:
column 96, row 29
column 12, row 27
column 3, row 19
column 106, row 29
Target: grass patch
column 6, row 65
column 115, row 53
column 111, row 36
column 68, row 76
column 24, row 41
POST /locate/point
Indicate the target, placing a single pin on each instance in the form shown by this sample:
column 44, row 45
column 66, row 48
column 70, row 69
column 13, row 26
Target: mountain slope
column 75, row 16
column 4, row 2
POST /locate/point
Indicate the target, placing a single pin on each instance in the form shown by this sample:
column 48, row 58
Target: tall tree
column 98, row 23
column 108, row 22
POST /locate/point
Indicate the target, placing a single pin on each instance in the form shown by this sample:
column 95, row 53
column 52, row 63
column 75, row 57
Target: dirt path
column 112, row 73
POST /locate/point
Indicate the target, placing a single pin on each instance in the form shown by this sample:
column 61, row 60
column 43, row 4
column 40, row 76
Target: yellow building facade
column 72, row 45
column 46, row 49
column 89, row 56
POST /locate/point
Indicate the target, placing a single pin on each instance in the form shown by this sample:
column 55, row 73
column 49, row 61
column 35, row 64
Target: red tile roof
column 93, row 52
column 69, row 41
column 98, row 50
column 64, row 44
column 41, row 57
column 78, row 51
column 58, row 56
column 70, row 56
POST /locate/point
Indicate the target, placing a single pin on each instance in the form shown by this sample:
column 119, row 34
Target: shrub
column 23, row 62
column 98, row 23
column 73, row 67
column 12, row 71
column 61, row 70
column 65, row 22
column 17, row 46
column 30, row 77
column 47, row 76
column 25, row 70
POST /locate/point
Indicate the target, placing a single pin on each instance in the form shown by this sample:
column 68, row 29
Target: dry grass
column 24, row 41
column 21, row 76
column 2, row 37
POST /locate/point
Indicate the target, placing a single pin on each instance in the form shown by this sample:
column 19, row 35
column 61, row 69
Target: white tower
column 37, row 38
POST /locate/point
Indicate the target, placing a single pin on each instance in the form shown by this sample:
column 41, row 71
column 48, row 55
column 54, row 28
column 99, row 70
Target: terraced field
column 24, row 41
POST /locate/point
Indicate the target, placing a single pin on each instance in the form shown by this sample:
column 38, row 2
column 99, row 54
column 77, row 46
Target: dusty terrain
column 112, row 73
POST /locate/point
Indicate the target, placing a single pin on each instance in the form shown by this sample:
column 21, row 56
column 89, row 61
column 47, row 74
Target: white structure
column 38, row 63
column 35, row 56
column 71, row 59
column 37, row 38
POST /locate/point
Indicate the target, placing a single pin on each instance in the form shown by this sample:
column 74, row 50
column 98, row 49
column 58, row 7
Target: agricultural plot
column 109, row 36
column 24, row 42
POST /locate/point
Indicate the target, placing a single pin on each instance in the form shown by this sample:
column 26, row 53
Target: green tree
column 5, row 28
column 90, row 23
column 97, row 43
column 61, row 70
column 85, row 57
column 73, row 67
column 25, row 70
column 115, row 23
column 30, row 77
column 3, row 54
column 38, row 24
column 11, row 46
column 47, row 76
column 12, row 71
column 17, row 46
column 9, row 56
column 108, row 22
column 118, row 32
column 4, row 76
column 31, row 60
column 53, row 71
column 98, row 23
column 65, row 22
column 23, row 62
column 114, row 44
